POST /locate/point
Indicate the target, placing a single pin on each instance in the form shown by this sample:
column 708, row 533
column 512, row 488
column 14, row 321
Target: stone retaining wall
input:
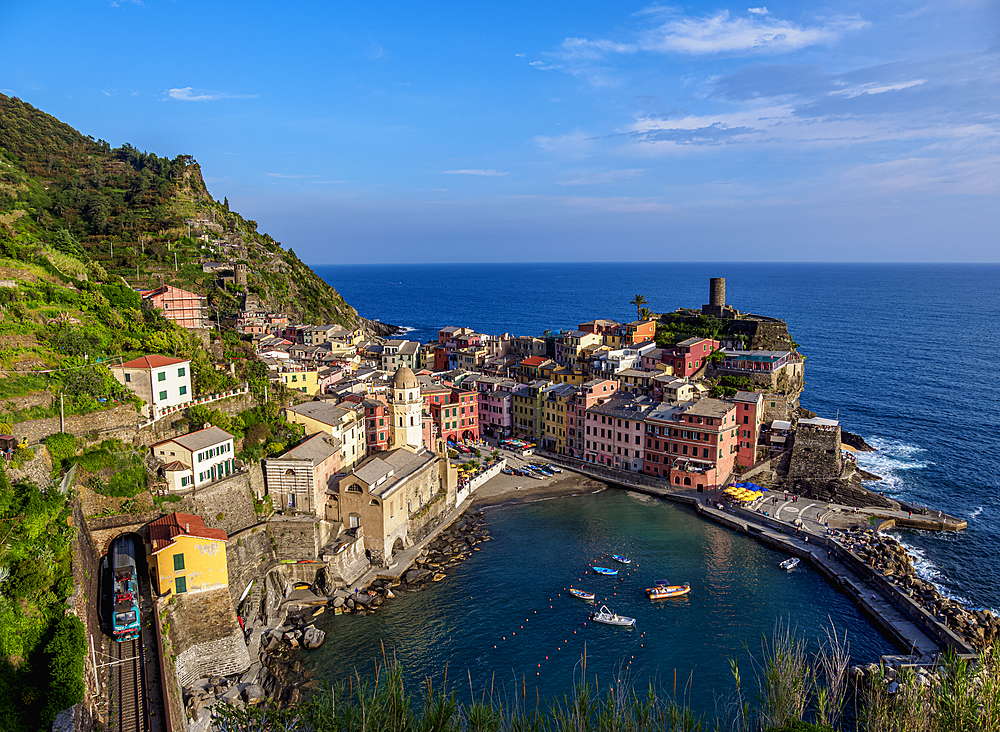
column 81, row 425
column 226, row 504
column 248, row 554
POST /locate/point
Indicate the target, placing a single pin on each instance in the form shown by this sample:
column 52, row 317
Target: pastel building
column 160, row 381
column 614, row 432
column 698, row 441
column 180, row 306
column 689, row 355
column 495, row 405
column 749, row 416
column 197, row 458
column 299, row 479
column 186, row 556
column 590, row 393
column 338, row 422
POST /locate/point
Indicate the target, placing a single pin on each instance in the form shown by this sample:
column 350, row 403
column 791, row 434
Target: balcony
column 689, row 466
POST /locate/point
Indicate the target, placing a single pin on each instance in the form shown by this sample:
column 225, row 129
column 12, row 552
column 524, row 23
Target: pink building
column 590, row 393
column 693, row 445
column 614, row 432
column 749, row 415
column 495, row 405
column 180, row 306
column 689, row 355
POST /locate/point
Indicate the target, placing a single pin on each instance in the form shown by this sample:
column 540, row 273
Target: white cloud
column 876, row 88
column 722, row 33
column 474, row 171
column 188, row 94
column 581, row 48
column 285, row 175
column 520, row 55
column 758, row 11
column 590, row 177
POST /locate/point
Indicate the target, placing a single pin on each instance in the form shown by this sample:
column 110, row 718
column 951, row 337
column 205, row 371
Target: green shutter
column 181, row 585
column 178, row 562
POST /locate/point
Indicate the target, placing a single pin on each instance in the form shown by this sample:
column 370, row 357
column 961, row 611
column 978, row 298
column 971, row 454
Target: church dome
column 405, row 379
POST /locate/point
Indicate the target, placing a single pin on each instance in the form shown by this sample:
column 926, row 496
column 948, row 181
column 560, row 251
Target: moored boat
column 604, row 570
column 609, row 618
column 790, row 563
column 620, row 558
column 661, row 591
column 581, row 594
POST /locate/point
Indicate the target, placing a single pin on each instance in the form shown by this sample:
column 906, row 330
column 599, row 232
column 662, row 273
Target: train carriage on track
column 124, row 590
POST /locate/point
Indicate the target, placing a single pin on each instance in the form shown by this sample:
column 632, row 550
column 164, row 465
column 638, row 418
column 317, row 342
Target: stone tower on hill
column 406, row 407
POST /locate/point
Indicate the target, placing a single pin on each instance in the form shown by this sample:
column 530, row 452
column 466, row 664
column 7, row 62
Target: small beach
column 505, row 489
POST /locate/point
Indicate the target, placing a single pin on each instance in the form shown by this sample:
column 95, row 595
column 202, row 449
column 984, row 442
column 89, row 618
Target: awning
column 777, row 438
column 780, row 425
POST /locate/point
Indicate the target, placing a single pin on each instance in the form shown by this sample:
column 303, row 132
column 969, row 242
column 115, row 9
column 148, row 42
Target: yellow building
column 303, row 380
column 186, row 556
column 554, row 408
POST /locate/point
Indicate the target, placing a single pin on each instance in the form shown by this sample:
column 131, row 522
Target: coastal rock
column 338, row 602
column 414, row 575
column 313, row 638
column 254, row 694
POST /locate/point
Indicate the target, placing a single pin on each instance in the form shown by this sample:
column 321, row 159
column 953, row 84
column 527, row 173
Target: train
column 124, row 590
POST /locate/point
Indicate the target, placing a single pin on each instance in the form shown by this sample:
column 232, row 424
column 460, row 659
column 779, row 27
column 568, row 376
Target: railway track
column 127, row 687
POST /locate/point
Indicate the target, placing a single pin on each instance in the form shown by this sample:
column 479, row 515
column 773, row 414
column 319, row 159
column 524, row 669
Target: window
column 181, row 371
column 163, row 395
column 128, row 378
column 181, row 584
column 178, row 562
column 184, row 390
column 162, row 376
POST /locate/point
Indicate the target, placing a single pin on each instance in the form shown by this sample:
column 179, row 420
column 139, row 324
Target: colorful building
column 186, row 556
column 180, row 306
column 555, row 413
column 160, row 381
column 749, row 416
column 614, row 432
column 526, row 401
column 196, row 458
column 595, row 391
column 299, row 479
column 689, row 355
column 303, row 379
column 698, row 441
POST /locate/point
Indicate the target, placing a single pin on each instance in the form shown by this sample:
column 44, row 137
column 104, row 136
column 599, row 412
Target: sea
column 899, row 353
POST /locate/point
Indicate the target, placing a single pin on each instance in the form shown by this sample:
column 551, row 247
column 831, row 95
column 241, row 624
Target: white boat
column 609, row 618
column 790, row 563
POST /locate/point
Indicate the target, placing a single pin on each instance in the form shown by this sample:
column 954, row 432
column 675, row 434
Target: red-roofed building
column 183, row 307
column 160, row 381
column 532, row 368
column 186, row 556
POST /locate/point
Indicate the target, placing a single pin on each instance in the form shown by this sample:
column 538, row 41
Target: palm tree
column 645, row 314
column 638, row 301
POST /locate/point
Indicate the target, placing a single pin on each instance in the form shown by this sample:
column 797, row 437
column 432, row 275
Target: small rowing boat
column 604, row 570
column 620, row 558
column 581, row 594
column 609, row 618
column 790, row 563
column 662, row 591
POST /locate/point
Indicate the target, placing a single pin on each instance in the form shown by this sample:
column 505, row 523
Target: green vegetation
column 728, row 385
column 41, row 649
column 111, row 469
column 671, row 330
column 74, row 208
column 790, row 687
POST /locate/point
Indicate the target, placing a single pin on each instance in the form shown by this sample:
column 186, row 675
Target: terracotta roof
column 533, row 361
column 154, row 361
column 174, row 466
column 181, row 524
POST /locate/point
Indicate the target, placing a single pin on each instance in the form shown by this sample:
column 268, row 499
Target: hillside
column 81, row 209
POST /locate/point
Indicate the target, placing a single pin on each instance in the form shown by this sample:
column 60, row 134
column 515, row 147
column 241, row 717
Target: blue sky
column 422, row 132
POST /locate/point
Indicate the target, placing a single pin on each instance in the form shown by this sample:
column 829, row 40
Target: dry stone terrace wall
column 81, row 425
column 226, row 504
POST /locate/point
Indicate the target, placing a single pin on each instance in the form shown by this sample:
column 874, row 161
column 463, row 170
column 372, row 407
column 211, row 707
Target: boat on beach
column 581, row 594
column 605, row 570
column 662, row 591
column 620, row 558
column 609, row 618
column 790, row 563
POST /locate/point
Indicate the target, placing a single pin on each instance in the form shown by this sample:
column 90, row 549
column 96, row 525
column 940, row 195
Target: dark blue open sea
column 902, row 354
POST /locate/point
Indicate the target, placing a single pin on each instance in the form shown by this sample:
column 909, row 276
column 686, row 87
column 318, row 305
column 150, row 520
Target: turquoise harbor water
column 505, row 612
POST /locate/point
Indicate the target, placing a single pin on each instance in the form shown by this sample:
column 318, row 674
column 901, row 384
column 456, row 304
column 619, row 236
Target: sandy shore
column 521, row 489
